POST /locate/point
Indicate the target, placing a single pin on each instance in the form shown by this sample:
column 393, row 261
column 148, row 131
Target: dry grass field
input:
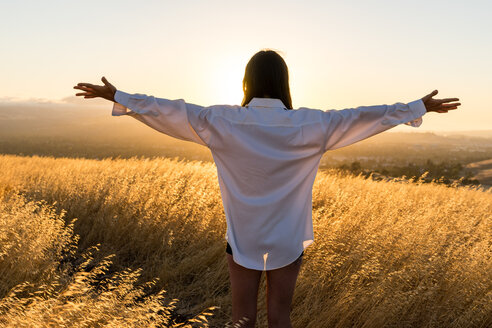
column 140, row 243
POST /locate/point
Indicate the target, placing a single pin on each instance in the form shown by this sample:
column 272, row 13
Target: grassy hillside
column 385, row 254
column 483, row 171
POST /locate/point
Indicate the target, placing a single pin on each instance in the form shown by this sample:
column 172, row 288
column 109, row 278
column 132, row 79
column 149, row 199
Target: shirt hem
column 306, row 244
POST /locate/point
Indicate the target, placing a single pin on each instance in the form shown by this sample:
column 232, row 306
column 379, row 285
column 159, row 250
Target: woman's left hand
column 105, row 91
column 439, row 105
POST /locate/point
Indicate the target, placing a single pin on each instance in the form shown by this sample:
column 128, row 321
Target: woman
column 267, row 156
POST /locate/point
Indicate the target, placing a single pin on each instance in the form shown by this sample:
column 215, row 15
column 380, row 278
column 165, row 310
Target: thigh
column 244, row 287
column 280, row 288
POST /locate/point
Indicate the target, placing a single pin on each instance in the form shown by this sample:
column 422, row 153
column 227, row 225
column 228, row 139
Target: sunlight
column 265, row 257
column 227, row 77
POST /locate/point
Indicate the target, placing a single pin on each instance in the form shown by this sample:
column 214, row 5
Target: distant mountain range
column 470, row 133
column 70, row 116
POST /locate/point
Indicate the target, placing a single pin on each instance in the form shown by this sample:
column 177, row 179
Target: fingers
column 87, row 95
column 91, row 90
column 106, row 83
column 88, row 85
column 447, row 100
column 430, row 95
column 450, row 105
column 84, row 88
column 433, row 93
column 444, row 108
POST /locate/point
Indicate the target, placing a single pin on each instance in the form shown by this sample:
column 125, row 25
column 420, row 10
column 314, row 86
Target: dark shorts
column 229, row 251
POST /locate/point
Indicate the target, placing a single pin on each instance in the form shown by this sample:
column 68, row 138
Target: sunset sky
column 340, row 53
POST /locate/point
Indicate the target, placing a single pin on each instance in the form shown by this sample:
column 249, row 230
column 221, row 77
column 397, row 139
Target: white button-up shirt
column 267, row 158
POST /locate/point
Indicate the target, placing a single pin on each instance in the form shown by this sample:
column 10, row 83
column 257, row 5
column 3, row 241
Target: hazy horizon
column 102, row 108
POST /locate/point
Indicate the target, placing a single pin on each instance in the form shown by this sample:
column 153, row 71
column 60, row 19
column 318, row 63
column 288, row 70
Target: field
column 139, row 242
column 105, row 222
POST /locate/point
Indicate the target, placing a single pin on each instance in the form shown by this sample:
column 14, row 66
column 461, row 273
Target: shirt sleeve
column 347, row 126
column 175, row 118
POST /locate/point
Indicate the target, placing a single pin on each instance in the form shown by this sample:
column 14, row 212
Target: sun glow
column 227, row 78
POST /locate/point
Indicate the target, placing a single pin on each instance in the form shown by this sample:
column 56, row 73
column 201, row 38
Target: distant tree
column 355, row 167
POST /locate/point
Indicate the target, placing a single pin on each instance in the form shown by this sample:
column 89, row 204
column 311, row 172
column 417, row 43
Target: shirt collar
column 266, row 103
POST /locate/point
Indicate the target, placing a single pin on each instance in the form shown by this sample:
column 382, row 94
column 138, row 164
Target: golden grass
column 40, row 289
column 385, row 254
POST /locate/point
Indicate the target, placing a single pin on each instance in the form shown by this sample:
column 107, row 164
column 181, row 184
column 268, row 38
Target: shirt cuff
column 121, row 100
column 417, row 108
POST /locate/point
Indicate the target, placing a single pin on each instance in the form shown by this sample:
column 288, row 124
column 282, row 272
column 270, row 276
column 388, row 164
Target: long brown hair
column 266, row 75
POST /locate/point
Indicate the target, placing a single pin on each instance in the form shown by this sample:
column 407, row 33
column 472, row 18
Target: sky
column 340, row 54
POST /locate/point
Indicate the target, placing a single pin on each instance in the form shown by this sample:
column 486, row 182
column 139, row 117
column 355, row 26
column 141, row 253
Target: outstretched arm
column 175, row 118
column 347, row 126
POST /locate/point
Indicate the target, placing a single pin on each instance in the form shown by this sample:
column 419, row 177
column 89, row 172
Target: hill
column 74, row 130
column 482, row 171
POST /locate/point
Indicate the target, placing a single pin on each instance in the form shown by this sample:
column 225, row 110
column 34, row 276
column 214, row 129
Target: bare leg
column 280, row 291
column 244, row 286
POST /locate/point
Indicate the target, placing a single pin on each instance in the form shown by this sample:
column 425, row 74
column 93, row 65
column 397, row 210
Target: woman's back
column 267, row 158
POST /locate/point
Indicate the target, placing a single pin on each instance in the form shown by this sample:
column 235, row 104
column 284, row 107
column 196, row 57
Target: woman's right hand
column 439, row 105
column 105, row 91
